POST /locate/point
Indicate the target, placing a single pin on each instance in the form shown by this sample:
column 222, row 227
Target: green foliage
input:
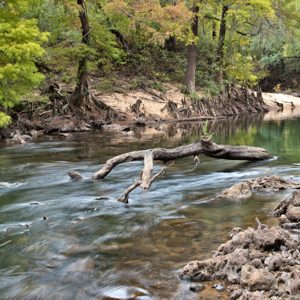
column 106, row 85
column 4, row 119
column 132, row 36
column 20, row 47
column 206, row 134
column 242, row 70
column 61, row 19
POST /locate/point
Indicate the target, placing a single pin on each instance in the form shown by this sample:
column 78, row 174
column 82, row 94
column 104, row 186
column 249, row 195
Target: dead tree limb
column 147, row 171
column 206, row 147
column 168, row 156
column 125, row 196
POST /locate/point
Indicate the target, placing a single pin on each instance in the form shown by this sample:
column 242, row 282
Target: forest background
column 122, row 45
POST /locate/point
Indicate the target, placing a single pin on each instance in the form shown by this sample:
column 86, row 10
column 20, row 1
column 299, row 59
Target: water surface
column 72, row 240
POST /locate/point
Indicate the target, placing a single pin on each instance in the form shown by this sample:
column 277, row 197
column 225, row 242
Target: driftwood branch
column 144, row 181
column 125, row 196
column 205, row 146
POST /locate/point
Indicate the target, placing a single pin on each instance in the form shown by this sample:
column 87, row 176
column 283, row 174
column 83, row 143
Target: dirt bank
column 141, row 107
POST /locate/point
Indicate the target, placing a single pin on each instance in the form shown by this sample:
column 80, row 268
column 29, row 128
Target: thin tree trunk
column 221, row 43
column 82, row 98
column 214, row 30
column 81, row 91
column 190, row 73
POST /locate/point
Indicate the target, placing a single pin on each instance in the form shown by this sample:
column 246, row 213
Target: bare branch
column 147, row 171
column 125, row 196
column 163, row 169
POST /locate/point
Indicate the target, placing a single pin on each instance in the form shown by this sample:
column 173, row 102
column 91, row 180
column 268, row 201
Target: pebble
column 197, row 288
column 218, row 287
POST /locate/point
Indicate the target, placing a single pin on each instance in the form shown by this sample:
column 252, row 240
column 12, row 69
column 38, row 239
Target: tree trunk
column 82, row 97
column 190, row 73
column 82, row 92
column 221, row 43
column 214, row 30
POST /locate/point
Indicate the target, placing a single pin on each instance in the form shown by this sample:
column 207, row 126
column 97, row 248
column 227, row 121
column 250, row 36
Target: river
column 72, row 240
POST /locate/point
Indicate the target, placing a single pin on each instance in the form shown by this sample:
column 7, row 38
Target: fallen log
column 206, row 147
column 167, row 156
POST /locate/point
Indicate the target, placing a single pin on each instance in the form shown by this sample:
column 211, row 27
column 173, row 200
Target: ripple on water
column 9, row 184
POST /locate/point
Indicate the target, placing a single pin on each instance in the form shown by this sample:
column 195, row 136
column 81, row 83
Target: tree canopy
column 225, row 41
column 20, row 46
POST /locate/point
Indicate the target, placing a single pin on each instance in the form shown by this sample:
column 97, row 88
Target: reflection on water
column 72, row 240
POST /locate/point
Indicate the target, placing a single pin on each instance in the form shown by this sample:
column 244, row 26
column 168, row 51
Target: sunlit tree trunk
column 190, row 74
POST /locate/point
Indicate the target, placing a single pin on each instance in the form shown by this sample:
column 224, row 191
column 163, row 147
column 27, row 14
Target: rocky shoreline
column 261, row 262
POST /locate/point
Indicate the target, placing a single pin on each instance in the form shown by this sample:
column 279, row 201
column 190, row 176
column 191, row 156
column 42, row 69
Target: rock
column 244, row 190
column 270, row 239
column 66, row 124
column 34, row 133
column 116, row 127
column 219, row 287
column 197, row 288
column 97, row 123
column 262, row 263
column 234, row 231
column 140, row 122
column 19, row 138
column 296, row 198
column 237, row 191
column 256, row 254
column 75, row 175
column 293, row 213
column 283, row 219
column 256, row 279
column 256, row 263
column 272, row 184
column 275, row 263
column 236, row 294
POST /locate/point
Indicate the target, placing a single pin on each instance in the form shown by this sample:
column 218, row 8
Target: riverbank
column 145, row 106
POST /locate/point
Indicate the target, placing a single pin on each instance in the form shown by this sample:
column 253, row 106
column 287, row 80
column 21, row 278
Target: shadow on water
column 72, row 240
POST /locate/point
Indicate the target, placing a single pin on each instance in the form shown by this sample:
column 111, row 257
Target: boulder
column 293, row 213
column 256, row 279
column 237, row 191
column 296, row 198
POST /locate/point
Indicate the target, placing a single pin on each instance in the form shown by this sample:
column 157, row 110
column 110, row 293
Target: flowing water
column 71, row 240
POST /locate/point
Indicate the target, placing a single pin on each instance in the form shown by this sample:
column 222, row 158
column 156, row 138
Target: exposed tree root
column 233, row 101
